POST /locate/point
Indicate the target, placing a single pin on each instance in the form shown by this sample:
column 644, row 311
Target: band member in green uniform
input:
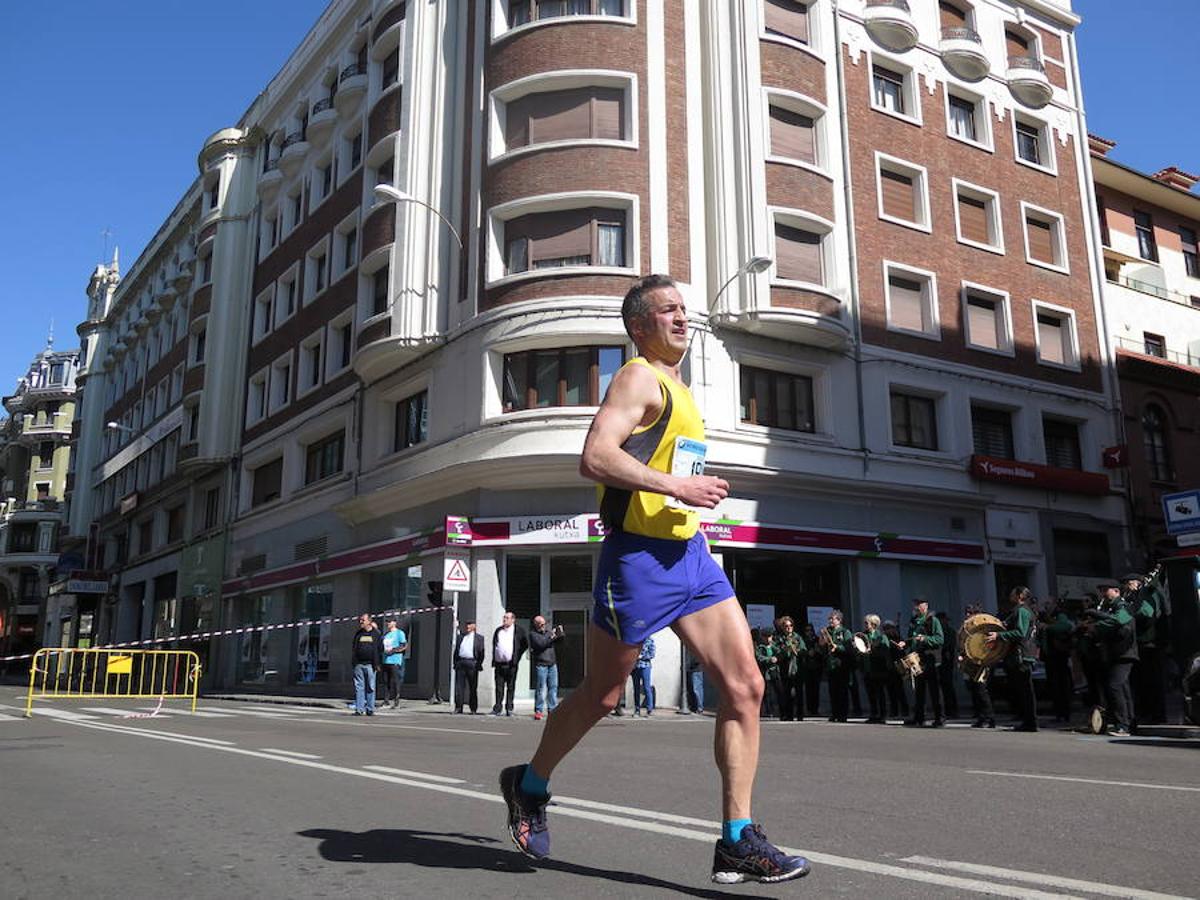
column 836, row 640
column 789, row 648
column 1021, row 635
column 1056, row 630
column 925, row 637
column 977, row 683
column 876, row 663
column 767, row 656
column 1114, row 628
column 897, row 698
column 813, row 665
column 1147, row 603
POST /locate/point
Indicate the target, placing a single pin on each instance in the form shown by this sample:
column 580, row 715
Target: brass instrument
column 825, row 638
column 976, row 654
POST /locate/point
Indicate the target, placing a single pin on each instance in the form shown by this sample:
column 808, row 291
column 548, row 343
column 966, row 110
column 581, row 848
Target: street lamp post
column 390, row 194
column 755, row 265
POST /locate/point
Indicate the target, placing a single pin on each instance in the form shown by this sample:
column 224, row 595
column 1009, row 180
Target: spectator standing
column 367, row 655
column 696, row 677
column 509, row 644
column 790, row 650
column 541, row 651
column 643, row 682
column 814, row 665
column 395, row 643
column 468, row 661
column 767, row 656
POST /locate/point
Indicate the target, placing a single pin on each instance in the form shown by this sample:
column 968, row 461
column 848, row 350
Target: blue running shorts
column 643, row 584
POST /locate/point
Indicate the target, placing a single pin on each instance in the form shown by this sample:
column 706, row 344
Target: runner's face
column 663, row 332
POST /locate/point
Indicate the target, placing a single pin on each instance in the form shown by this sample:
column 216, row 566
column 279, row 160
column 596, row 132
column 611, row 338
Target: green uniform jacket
column 878, row 660
column 1116, row 631
column 790, row 652
column 839, row 647
column 929, row 626
column 1147, row 607
column 1056, row 636
column 1020, row 620
column 766, row 656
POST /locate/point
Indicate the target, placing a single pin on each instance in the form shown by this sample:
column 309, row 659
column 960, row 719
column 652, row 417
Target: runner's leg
column 719, row 637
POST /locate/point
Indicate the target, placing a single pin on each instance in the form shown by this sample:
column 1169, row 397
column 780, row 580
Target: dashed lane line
column 1071, row 884
column 441, row 779
column 294, row 753
column 1071, row 778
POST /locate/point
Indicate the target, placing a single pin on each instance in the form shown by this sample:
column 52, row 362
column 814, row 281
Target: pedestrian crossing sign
column 456, row 570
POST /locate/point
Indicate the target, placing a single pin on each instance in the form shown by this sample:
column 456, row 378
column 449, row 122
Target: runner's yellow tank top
column 643, row 512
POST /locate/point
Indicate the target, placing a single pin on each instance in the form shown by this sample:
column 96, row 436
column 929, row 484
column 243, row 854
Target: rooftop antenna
column 106, row 234
column 50, row 336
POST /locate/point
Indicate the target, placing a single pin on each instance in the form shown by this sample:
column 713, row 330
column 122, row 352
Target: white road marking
column 282, row 709
column 1133, row 784
column 4, row 718
column 373, row 725
column 1055, row 881
column 205, row 714
column 114, row 711
column 254, row 713
column 625, row 821
column 65, row 714
column 294, row 753
column 442, row 779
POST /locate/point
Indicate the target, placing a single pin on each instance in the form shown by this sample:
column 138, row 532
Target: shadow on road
column 440, row 850
column 1173, row 743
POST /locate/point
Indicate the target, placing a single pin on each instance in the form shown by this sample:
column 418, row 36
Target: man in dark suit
column 468, row 660
column 509, row 643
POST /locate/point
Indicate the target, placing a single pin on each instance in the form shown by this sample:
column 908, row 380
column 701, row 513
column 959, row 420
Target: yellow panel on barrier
column 68, row 672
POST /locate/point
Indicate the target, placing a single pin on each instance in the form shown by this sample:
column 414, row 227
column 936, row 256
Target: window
column 1191, row 262
column 793, row 135
column 777, row 399
column 521, row 12
column 356, row 148
column 1055, row 341
column 1143, row 223
column 193, row 431
column 991, row 431
column 977, row 217
column 412, row 421
column 1102, row 214
column 799, row 255
column 198, row 347
column 574, row 376
column 914, row 421
column 310, row 362
column 42, row 490
column 903, row 192
column 286, row 296
column 890, row 90
column 323, row 458
column 206, row 269
column 46, row 455
column 212, row 508
column 264, row 313
column 281, row 382
column 1044, row 238
column 786, row 18
column 390, row 73
column 316, row 273
column 1062, row 444
column 1155, row 443
column 256, row 398
column 145, row 532
column 214, row 195
column 341, row 344
column 594, row 236
column 175, row 524
column 911, row 301
column 987, row 320
column 379, row 292
column 325, row 180
column 583, row 113
column 1031, row 143
column 267, row 482
column 383, row 172
column 962, row 119
column 349, row 241
column 296, row 202
column 1017, row 45
column 1154, row 345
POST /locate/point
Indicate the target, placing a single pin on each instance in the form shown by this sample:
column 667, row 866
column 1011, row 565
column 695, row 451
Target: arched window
column 1158, row 448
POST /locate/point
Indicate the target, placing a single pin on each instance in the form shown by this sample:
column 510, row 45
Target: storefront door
column 572, row 612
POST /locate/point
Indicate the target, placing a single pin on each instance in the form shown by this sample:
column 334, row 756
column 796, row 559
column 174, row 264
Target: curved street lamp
column 387, row 193
column 755, row 265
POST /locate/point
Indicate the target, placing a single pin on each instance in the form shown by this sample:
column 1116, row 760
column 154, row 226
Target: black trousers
column 391, row 683
column 897, row 698
column 855, row 697
column 981, row 701
column 1117, row 695
column 876, row 695
column 839, row 694
column 772, row 692
column 1058, row 681
column 1149, row 686
column 812, row 691
column 791, row 697
column 1020, row 677
column 927, row 683
column 947, row 678
column 506, row 684
column 466, row 686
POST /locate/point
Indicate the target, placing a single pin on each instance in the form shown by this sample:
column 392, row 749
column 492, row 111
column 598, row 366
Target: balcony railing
column 1183, row 359
column 351, row 70
column 894, row 4
column 292, row 139
column 1154, row 290
column 321, row 105
column 1026, row 62
column 961, row 34
column 271, row 166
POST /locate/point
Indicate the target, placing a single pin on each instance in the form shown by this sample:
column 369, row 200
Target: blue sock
column 534, row 784
column 731, row 829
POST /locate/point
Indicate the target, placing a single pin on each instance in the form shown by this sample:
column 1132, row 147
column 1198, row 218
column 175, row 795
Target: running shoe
column 754, row 858
column 526, row 815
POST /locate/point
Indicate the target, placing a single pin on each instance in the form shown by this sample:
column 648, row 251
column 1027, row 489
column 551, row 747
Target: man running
column 646, row 450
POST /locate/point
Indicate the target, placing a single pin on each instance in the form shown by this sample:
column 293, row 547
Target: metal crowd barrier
column 67, row 673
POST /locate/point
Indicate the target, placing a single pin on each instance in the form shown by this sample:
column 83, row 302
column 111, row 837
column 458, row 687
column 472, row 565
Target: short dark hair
column 635, row 307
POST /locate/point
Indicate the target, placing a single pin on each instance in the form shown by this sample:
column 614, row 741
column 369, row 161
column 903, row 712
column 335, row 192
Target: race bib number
column 687, row 459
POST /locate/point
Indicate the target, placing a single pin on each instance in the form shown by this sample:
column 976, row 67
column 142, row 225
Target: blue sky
column 115, row 99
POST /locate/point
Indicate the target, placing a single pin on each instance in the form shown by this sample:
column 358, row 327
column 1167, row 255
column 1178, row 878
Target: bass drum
column 973, row 645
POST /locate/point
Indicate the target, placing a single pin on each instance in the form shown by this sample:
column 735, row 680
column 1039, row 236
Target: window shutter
column 560, row 116
column 982, row 322
column 798, row 255
column 608, row 113
column 899, row 195
column 792, row 135
column 1050, row 338
column 1016, row 45
column 952, row 16
column 516, row 122
column 560, row 234
column 1041, row 240
column 907, row 306
column 973, row 219
column 788, row 18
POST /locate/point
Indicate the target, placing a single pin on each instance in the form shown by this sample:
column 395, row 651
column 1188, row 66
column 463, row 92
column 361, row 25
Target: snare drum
column 910, row 665
column 861, row 645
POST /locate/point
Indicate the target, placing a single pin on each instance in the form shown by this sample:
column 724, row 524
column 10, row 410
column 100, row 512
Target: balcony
column 165, row 298
column 813, row 317
column 270, row 180
column 352, row 87
column 37, row 428
column 1028, row 82
column 291, row 156
column 962, row 52
column 1133, row 345
column 321, row 121
column 890, row 23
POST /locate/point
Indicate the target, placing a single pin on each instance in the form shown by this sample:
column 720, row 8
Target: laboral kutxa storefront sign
column 586, row 528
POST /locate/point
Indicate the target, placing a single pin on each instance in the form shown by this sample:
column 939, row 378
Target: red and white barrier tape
column 245, row 629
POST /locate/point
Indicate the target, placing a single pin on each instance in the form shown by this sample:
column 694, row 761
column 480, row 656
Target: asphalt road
column 255, row 800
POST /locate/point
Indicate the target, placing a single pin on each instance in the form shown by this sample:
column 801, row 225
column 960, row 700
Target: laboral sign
column 1049, row 478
